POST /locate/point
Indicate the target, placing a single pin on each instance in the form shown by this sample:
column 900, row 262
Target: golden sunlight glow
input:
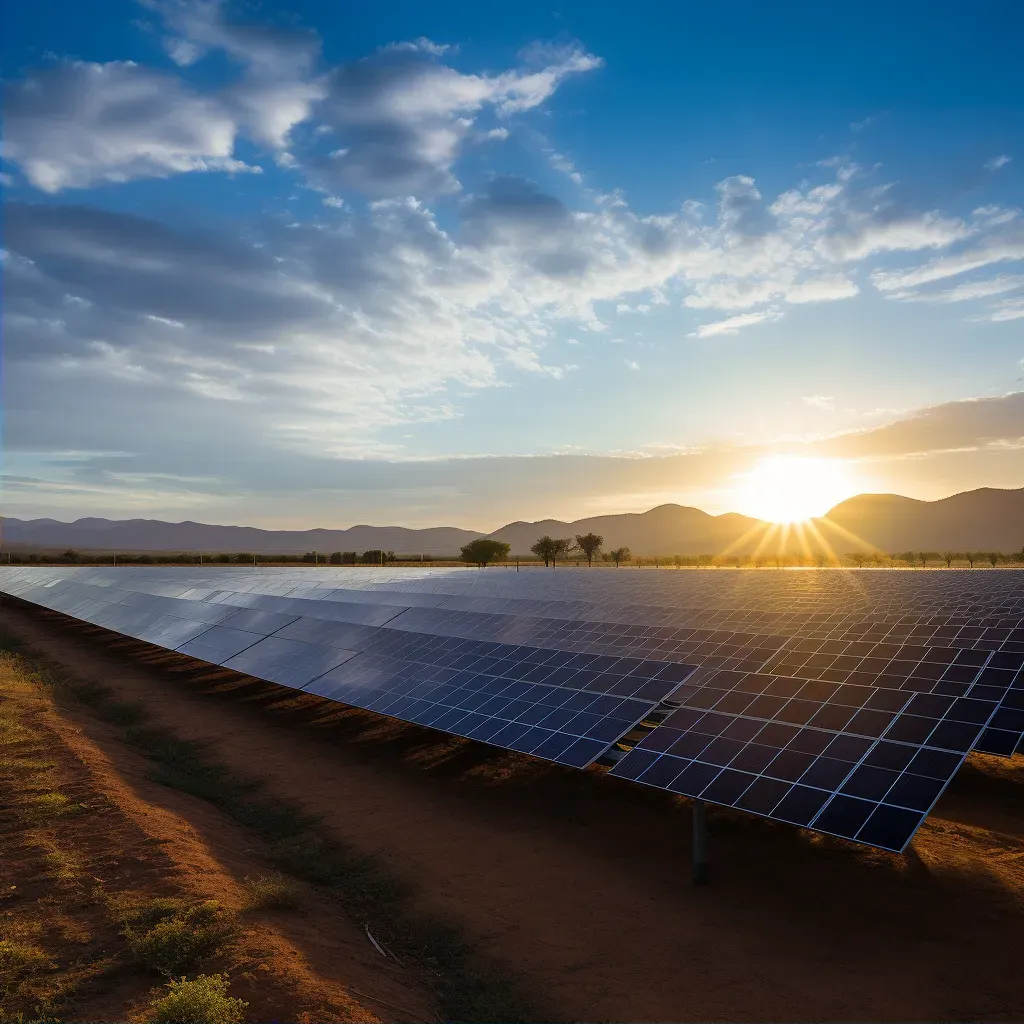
column 792, row 488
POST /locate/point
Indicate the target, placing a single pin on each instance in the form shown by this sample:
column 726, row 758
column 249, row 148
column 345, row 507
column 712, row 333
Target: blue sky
column 315, row 263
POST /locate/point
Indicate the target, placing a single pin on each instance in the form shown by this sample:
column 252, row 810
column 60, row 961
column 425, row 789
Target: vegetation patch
column 184, row 941
column 203, row 1000
column 273, row 892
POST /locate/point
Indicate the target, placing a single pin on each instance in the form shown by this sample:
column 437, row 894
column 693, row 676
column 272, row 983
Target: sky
column 317, row 263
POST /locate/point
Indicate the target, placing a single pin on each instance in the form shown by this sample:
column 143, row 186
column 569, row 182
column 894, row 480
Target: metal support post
column 700, row 842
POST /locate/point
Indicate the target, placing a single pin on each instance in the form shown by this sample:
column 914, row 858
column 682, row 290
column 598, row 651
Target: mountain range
column 984, row 519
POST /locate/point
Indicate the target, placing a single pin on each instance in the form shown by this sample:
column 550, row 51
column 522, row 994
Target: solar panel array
column 839, row 701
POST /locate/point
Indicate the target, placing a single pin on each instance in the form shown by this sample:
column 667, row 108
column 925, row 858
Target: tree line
column 549, row 550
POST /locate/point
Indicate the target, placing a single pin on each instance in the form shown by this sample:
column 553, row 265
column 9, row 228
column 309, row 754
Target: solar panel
column 840, row 701
column 852, row 761
column 502, row 706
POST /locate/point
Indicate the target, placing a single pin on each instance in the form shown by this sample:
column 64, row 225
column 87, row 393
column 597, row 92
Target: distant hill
column 985, row 519
column 667, row 529
column 156, row 535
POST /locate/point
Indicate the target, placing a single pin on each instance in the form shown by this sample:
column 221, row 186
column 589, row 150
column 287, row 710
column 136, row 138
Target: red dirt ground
column 581, row 882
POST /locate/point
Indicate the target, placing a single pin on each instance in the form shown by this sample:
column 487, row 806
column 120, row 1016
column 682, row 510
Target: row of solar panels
column 863, row 759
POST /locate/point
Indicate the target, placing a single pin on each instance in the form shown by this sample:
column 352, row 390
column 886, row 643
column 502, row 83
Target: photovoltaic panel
column 553, row 722
column 857, row 762
column 908, row 646
column 287, row 662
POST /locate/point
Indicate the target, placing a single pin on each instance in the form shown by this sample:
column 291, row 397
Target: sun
column 792, row 488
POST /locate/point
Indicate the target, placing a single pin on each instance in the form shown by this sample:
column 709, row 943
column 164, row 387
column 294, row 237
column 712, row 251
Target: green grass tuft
column 179, row 944
column 203, row 1000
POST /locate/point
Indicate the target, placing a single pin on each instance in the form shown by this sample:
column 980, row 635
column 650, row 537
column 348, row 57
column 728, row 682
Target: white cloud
column 566, row 166
column 998, row 249
column 204, row 25
column 400, row 115
column 404, row 118
column 1008, row 309
column 420, row 45
column 631, row 364
column 734, row 323
column 965, row 292
column 182, row 52
column 822, row 289
column 997, row 161
column 859, row 126
column 81, row 124
column 824, row 402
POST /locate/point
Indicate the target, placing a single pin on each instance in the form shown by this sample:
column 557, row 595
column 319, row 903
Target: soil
column 580, row 881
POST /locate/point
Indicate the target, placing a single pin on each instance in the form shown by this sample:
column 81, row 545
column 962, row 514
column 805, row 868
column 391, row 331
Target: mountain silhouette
column 984, row 519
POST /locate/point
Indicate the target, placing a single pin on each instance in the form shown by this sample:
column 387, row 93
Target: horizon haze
column 987, row 519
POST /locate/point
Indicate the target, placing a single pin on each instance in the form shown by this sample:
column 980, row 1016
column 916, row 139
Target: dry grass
column 273, row 892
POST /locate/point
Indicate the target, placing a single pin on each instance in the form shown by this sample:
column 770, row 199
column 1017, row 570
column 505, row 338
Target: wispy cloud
column 733, row 324
column 1008, row 309
column 824, row 402
column 965, row 292
column 997, row 161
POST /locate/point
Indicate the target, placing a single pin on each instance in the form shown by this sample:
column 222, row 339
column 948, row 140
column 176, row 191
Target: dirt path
column 581, row 881
column 127, row 838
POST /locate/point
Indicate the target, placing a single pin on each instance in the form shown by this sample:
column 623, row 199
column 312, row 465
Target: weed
column 18, row 959
column 272, row 892
column 49, row 806
column 188, row 939
column 141, row 915
column 204, row 1000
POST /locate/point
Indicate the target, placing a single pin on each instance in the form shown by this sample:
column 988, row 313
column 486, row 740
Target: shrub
column 272, row 892
column 204, row 1000
column 18, row 958
column 189, row 938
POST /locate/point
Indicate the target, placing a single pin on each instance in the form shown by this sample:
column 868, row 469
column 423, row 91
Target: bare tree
column 948, row 556
column 590, row 545
column 972, row 557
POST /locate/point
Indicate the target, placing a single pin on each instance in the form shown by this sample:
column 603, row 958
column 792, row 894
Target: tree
column 562, row 547
column 334, row 558
column 821, row 559
column 544, row 549
column 349, row 557
column 244, row 557
column 589, row 544
column 484, row 550
column 71, row 555
column 858, row 558
column 948, row 556
column 993, row 557
column 620, row 555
